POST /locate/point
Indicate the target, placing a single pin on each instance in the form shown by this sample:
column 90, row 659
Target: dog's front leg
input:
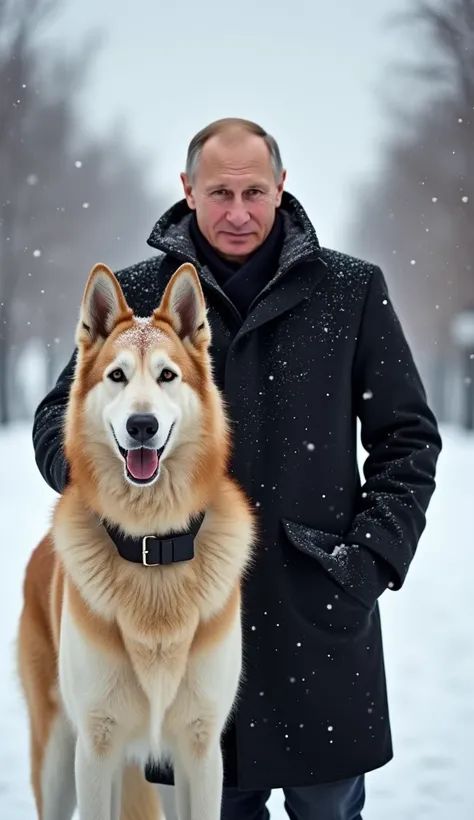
column 201, row 757
column 181, row 790
column 206, row 776
column 94, row 783
column 116, row 804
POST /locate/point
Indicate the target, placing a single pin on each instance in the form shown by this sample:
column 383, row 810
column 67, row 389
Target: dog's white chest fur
column 95, row 685
column 145, row 709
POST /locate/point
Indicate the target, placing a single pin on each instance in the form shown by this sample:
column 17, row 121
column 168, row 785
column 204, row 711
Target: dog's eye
column 117, row 375
column 166, row 375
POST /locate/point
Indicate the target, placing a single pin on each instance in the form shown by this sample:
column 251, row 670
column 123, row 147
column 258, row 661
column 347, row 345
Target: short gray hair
column 218, row 127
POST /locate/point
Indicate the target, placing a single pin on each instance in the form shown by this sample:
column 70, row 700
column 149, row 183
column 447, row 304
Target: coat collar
column 171, row 233
column 171, row 236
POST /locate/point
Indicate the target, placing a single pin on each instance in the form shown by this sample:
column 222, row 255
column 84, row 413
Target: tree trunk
column 4, row 370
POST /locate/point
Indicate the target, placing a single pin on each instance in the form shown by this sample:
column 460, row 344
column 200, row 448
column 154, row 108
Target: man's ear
column 280, row 188
column 188, row 191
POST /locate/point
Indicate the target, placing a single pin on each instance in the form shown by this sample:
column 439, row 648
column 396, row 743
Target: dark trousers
column 343, row 800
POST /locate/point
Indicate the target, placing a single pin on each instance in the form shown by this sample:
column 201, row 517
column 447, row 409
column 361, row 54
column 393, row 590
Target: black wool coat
column 320, row 348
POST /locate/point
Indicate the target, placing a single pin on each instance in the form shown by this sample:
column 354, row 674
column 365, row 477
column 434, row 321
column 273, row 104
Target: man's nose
column 238, row 214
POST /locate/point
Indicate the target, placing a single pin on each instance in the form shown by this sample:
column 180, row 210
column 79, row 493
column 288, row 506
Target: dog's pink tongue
column 142, row 463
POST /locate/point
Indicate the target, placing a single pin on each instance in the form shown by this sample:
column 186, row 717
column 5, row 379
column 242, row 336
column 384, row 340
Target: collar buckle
column 164, row 551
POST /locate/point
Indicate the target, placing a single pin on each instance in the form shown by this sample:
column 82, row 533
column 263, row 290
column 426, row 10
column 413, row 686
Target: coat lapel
column 284, row 293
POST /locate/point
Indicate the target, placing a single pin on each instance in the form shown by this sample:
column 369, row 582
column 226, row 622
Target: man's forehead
column 238, row 180
column 248, row 153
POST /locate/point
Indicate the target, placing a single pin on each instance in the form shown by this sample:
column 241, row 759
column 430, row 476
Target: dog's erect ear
column 184, row 306
column 103, row 305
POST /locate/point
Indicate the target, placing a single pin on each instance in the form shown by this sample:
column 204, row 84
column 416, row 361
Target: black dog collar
column 156, row 550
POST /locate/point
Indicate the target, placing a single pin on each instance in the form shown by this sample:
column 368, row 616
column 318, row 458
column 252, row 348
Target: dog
column 129, row 644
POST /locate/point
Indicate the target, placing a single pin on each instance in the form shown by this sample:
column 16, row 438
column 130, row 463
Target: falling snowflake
column 367, row 395
column 32, row 179
column 37, row 253
column 85, row 204
column 78, row 163
column 465, row 199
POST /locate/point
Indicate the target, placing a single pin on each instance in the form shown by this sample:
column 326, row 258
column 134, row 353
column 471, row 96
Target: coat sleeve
column 400, row 434
column 48, row 430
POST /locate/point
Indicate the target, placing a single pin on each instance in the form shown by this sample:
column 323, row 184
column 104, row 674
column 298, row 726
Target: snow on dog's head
column 143, row 388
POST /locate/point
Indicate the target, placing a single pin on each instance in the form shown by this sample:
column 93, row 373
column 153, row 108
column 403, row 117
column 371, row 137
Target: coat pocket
column 347, row 569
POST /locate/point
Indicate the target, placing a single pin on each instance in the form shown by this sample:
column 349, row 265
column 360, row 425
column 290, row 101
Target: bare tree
column 417, row 218
column 19, row 20
column 450, row 29
column 67, row 200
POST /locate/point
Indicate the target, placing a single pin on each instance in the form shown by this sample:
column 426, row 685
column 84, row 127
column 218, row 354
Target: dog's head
column 143, row 388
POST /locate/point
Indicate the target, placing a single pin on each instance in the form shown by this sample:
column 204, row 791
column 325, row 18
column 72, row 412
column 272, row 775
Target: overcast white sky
column 310, row 71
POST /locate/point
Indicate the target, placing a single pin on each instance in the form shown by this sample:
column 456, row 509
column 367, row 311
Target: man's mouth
column 234, row 235
column 142, row 464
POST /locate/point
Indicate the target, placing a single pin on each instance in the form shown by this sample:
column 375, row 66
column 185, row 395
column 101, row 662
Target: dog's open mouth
column 142, row 464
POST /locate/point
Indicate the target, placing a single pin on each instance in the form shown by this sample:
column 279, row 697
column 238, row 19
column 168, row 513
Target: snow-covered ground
column 429, row 644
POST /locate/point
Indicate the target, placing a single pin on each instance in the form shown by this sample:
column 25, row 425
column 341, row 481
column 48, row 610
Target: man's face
column 234, row 193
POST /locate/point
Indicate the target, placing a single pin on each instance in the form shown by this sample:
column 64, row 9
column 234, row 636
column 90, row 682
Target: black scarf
column 241, row 282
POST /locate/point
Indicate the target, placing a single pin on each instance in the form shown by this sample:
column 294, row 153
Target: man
column 305, row 341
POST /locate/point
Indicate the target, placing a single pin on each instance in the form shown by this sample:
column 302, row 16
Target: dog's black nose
column 142, row 426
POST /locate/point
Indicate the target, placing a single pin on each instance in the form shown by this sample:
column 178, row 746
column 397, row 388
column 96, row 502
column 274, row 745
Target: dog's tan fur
column 154, row 629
